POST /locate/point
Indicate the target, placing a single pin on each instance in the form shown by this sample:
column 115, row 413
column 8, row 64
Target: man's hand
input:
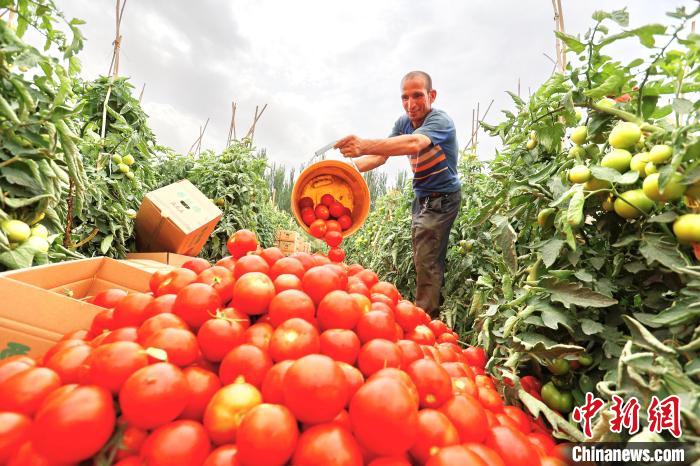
column 351, row 146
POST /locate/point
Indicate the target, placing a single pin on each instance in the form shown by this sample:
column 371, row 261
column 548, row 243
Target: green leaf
column 645, row 34
column 649, row 103
column 550, row 251
column 17, row 202
column 606, row 174
column 536, row 343
column 574, row 214
column 662, row 112
column 572, row 43
column 621, row 17
column 106, row 243
column 643, row 337
column 553, row 317
column 506, row 240
column 683, row 311
column 518, row 101
column 662, row 249
column 21, row 173
column 591, row 327
column 666, row 217
column 610, row 86
column 682, row 106
column 569, row 293
column 629, row 177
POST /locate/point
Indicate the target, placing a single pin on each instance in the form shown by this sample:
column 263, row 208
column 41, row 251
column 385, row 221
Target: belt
column 434, row 195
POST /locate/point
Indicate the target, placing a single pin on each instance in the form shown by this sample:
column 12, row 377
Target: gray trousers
column 430, row 231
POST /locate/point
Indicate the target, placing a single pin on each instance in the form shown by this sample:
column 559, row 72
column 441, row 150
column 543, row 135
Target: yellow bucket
column 339, row 179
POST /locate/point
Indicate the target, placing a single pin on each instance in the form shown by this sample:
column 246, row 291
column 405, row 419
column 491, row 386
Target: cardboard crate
column 175, row 218
column 169, row 258
column 287, row 247
column 287, row 235
column 41, row 304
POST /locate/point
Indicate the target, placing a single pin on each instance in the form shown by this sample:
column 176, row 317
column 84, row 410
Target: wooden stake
column 232, row 126
column 143, row 88
column 561, row 29
column 197, row 144
column 251, row 131
column 114, row 65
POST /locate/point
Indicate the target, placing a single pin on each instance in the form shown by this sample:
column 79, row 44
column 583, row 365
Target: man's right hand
column 350, row 146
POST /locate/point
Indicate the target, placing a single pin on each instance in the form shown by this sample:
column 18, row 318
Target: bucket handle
column 322, row 154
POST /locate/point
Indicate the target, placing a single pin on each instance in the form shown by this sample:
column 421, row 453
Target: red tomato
column 326, row 444
column 338, row 309
column 287, row 281
column 521, row 420
column 175, row 280
column 24, row 392
column 219, row 278
column 289, row 304
column 456, row 454
column 120, row 334
column 387, row 289
column 389, row 461
column 227, row 262
column 132, row 441
column 464, row 385
column 488, row 455
column 241, row 243
column 74, row 423
column 234, row 315
column 333, row 238
column 530, row 384
column 433, row 382
column 357, row 286
column 103, row 321
column 225, row 455
column 196, row 303
column 318, row 228
column 319, row 281
column 160, row 305
column 157, row 278
column 468, row 416
column 179, row 443
column 259, row 335
column 287, row 265
column 435, row 431
column 226, row 410
column 401, row 376
column 245, row 360
column 336, row 209
column 253, row 292
column 159, row 322
column 216, row 337
column 422, row 335
column 305, row 258
column 353, row 376
column 327, row 199
column 376, row 324
column 27, row 455
column 410, row 351
column 180, row 345
column 336, row 255
column 197, row 265
column 384, row 417
column 476, row 356
column 272, row 255
column 345, row 222
column 438, row 327
column 154, row 395
column 130, row 310
column 544, row 441
column 15, row 429
column 512, row 446
column 293, row 339
column 250, row 263
column 378, row 354
column 321, row 211
column 69, row 363
column 458, row 369
column 490, row 399
column 332, row 225
column 305, row 202
column 203, row 384
column 108, row 298
column 272, row 383
column 315, row 389
column 407, row 315
column 340, row 344
column 308, row 216
column 268, row 435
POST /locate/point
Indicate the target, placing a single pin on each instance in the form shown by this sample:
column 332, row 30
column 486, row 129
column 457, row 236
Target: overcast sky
column 325, row 68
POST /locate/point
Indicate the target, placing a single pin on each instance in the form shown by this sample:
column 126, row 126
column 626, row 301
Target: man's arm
column 353, row 146
column 366, row 163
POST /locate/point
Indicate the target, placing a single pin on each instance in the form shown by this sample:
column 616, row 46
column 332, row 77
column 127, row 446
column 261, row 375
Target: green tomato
column 579, row 174
column 40, row 231
column 606, row 102
column 555, row 399
column 129, row 175
column 128, row 159
column 38, row 243
column 624, row 135
column 16, row 230
column 632, row 204
column 116, row 159
column 123, row 168
column 638, row 162
column 577, row 152
column 660, row 153
column 619, row 159
column 585, row 359
column 559, row 366
column 673, row 190
column 579, row 135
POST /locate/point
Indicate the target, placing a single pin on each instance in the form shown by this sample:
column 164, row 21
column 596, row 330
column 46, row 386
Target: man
column 428, row 137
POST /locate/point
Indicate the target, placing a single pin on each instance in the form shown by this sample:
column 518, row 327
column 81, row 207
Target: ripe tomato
column 219, row 278
column 287, row 265
column 476, row 356
column 227, row 408
column 120, row 334
column 154, row 395
column 336, row 255
column 267, row 435
column 456, row 454
column 488, row 455
column 157, row 278
column 108, row 298
column 520, row 419
column 259, row 335
column 336, row 209
column 289, row 304
column 103, row 321
column 234, row 315
column 435, row 431
column 464, row 385
column 160, row 305
column 241, row 243
column 543, row 441
column 24, row 392
column 227, row 262
column 287, row 281
column 132, row 441
column 180, row 345
column 74, row 423
column 457, row 369
column 305, row 202
column 216, row 337
column 378, row 354
column 203, row 385
column 15, row 429
column 130, row 310
column 387, row 289
column 438, row 327
column 333, row 238
column 368, row 277
column 338, row 309
column 353, row 376
column 340, row 344
column 159, row 322
column 272, row 255
column 432, row 381
column 305, row 258
column 376, row 324
column 345, row 222
column 175, row 280
column 253, row 292
column 197, row 265
column 225, row 455
column 332, row 225
column 512, row 446
column 322, row 212
column 318, row 281
column 179, row 443
column 357, row 286
column 196, row 303
column 410, row 351
column 245, row 360
column 384, row 416
column 406, row 315
column 326, row 444
column 318, row 228
column 389, row 461
column 490, row 399
column 69, row 363
column 401, row 376
column 327, row 199
column 250, row 263
column 315, row 389
column 421, row 334
column 468, row 416
column 447, row 338
column 293, row 339
column 272, row 383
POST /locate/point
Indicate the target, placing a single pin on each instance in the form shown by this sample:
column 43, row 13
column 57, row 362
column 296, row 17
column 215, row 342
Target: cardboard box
column 169, row 258
column 287, row 247
column 41, row 304
column 287, row 235
column 175, row 218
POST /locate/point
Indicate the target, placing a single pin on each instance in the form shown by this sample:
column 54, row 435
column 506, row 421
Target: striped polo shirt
column 435, row 167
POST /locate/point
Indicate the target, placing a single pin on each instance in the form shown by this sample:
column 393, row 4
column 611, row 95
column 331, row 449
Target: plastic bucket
column 339, row 179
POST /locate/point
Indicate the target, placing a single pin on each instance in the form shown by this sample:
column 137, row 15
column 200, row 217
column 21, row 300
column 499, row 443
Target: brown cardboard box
column 287, row 247
column 41, row 304
column 169, row 258
column 287, row 235
column 175, row 218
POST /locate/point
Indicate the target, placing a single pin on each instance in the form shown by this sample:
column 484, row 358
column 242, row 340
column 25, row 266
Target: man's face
column 416, row 99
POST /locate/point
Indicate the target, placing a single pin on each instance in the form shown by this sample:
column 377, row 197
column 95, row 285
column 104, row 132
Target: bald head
column 425, row 77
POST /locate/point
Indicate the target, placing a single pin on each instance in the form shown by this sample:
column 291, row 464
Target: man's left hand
column 350, row 146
